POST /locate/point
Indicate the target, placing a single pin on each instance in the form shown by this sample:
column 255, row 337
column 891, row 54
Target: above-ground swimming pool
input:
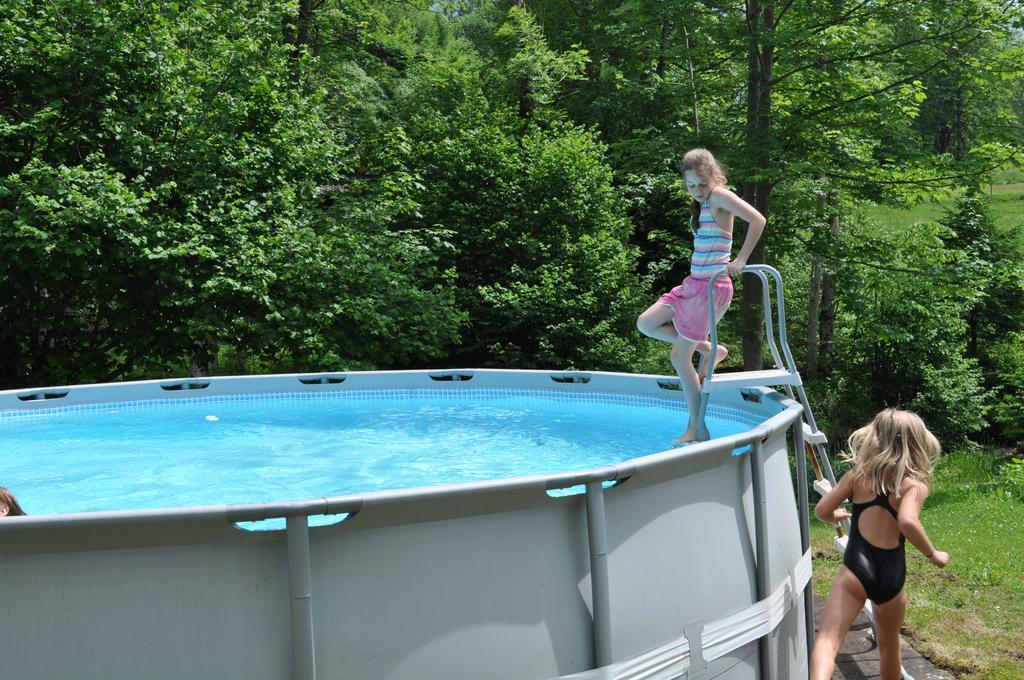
column 265, row 448
column 466, row 524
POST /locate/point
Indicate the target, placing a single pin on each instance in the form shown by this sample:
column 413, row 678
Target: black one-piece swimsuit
column 882, row 571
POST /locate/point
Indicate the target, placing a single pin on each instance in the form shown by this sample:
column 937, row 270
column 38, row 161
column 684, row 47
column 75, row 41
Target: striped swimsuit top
column 712, row 245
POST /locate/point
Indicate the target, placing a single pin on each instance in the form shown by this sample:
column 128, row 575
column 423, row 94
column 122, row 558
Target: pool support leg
column 300, row 590
column 761, row 548
column 805, row 527
column 599, row 585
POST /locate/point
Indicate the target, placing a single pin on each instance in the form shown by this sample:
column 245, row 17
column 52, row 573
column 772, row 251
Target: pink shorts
column 689, row 303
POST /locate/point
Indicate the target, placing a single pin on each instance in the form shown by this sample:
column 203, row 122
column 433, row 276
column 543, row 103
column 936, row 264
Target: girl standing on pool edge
column 892, row 457
column 680, row 316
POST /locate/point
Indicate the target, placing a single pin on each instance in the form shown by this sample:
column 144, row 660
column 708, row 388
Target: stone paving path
column 858, row 658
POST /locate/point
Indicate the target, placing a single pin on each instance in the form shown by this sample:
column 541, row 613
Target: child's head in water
column 701, row 174
column 895, row 445
column 9, row 504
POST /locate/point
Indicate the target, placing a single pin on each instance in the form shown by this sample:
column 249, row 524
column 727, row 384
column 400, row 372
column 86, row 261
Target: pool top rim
column 785, row 412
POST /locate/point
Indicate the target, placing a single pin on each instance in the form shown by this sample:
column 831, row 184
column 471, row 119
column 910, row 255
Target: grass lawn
column 968, row 618
column 1006, row 202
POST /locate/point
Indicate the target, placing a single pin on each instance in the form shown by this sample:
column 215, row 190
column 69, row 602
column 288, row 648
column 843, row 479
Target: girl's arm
column 913, row 495
column 829, row 508
column 749, row 214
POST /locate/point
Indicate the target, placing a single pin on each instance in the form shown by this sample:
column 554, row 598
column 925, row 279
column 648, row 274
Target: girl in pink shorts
column 681, row 316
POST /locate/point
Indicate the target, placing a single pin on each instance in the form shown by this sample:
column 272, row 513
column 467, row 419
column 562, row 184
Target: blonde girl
column 891, row 476
column 681, row 316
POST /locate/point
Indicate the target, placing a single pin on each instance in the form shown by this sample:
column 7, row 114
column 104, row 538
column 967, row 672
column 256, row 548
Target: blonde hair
column 893, row 446
column 703, row 163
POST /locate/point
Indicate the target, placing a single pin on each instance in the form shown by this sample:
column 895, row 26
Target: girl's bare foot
column 687, row 437
column 721, row 352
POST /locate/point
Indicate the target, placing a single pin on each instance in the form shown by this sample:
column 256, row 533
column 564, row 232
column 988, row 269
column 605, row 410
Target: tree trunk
column 666, row 28
column 592, row 67
column 827, row 325
column 11, row 373
column 202, row 362
column 524, row 91
column 814, row 302
column 302, row 24
column 972, row 339
column 813, row 310
column 752, row 313
column 296, row 29
column 959, row 126
column 760, row 55
column 693, row 84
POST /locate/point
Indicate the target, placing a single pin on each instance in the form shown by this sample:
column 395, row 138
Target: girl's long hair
column 895, row 445
column 703, row 163
column 7, row 499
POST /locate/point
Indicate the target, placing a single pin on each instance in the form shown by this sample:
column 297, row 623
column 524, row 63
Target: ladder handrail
column 788, row 363
column 769, row 331
column 759, row 270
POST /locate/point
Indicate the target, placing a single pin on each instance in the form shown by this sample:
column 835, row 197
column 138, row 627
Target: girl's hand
column 735, row 268
column 840, row 514
column 939, row 558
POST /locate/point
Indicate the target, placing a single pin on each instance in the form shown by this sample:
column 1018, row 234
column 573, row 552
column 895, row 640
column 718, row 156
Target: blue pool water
column 282, row 447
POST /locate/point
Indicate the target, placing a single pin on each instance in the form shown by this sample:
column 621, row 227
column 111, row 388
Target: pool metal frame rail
column 689, row 662
column 684, row 657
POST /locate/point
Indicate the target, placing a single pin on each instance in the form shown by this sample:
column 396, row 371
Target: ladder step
column 814, row 437
column 822, row 486
column 737, row 379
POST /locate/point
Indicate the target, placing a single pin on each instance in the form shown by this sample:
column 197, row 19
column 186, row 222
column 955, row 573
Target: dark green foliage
column 383, row 184
column 1008, row 356
column 902, row 336
column 987, row 260
column 539, row 235
column 180, row 178
column 159, row 198
column 995, row 318
column 76, row 273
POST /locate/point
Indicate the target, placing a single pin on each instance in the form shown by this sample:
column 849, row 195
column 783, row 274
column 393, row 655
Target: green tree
column 539, row 234
column 1009, row 404
column 160, row 198
column 902, row 336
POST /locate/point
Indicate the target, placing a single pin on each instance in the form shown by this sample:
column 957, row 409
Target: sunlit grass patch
column 1005, row 201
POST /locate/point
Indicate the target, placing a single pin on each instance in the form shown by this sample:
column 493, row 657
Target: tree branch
column 940, row 181
column 844, row 102
column 871, row 55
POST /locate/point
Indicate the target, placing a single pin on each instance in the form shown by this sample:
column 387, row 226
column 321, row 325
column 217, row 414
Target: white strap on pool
column 672, row 659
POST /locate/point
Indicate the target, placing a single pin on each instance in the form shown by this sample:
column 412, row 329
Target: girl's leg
column 682, row 361
column 656, row 323
column 720, row 354
column 721, row 351
column 845, row 600
column 888, row 621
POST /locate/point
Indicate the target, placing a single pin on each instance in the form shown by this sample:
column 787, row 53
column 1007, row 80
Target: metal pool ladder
column 783, row 374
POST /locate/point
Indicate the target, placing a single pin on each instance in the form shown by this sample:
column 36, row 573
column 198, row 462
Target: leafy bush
column 951, row 399
column 1008, row 411
column 161, row 198
column 901, row 339
column 540, row 239
column 1011, row 476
